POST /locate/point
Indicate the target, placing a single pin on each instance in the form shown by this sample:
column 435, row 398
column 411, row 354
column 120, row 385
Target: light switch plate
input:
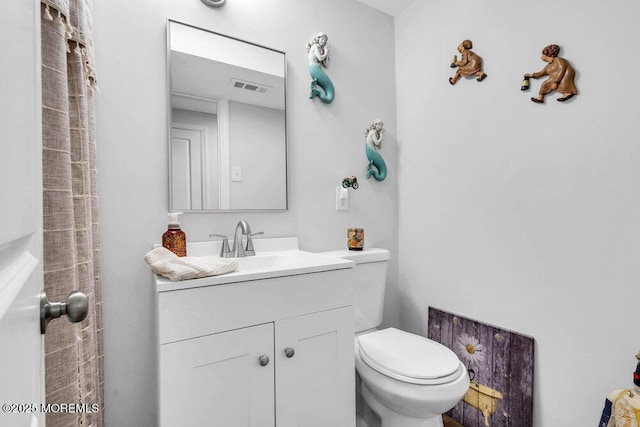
column 342, row 199
column 236, row 173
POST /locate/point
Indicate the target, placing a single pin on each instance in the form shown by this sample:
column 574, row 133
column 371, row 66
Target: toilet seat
column 408, row 357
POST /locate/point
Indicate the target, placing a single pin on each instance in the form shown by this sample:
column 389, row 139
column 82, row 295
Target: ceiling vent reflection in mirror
column 253, row 87
column 213, row 3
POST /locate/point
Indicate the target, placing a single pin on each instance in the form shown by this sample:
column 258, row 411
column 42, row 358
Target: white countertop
column 275, row 257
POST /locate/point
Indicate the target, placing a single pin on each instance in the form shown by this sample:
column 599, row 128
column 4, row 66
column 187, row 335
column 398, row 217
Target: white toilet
column 407, row 380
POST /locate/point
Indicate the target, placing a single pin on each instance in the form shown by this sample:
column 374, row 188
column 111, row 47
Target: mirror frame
column 170, row 118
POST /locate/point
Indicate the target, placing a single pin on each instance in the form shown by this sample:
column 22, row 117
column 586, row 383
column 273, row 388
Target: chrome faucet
column 238, row 250
column 225, row 252
column 243, row 229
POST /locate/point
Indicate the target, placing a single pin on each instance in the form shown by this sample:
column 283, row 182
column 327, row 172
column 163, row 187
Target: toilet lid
column 408, row 357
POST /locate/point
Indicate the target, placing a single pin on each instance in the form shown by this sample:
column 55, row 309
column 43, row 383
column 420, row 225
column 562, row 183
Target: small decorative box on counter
column 355, row 239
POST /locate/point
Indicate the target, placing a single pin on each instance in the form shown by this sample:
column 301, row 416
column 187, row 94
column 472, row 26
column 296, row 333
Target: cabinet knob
column 289, row 352
column 263, row 360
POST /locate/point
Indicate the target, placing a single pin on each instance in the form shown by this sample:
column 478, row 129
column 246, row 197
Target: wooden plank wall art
column 500, row 365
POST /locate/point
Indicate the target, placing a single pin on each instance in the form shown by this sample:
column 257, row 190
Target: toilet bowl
column 406, row 379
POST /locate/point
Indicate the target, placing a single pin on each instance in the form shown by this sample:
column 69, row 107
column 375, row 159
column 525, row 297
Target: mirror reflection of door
column 188, row 150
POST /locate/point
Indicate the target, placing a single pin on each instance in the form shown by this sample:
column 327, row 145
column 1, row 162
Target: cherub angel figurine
column 561, row 75
column 469, row 64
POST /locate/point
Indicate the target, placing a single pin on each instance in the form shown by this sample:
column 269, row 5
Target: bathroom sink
column 270, row 261
column 275, row 257
column 279, row 282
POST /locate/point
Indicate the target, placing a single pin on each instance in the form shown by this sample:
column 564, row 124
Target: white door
column 188, row 167
column 315, row 372
column 218, row 380
column 22, row 346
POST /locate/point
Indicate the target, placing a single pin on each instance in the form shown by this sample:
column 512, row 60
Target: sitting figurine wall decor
column 469, row 64
column 561, row 76
column 321, row 85
column 377, row 167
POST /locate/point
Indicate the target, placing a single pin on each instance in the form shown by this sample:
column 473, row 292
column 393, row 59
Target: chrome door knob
column 263, row 360
column 75, row 308
column 289, row 352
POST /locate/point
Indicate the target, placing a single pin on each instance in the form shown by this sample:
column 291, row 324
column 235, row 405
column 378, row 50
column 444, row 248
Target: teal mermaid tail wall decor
column 321, row 80
column 321, row 85
column 377, row 167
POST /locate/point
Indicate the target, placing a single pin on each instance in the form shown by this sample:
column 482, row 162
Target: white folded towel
column 167, row 264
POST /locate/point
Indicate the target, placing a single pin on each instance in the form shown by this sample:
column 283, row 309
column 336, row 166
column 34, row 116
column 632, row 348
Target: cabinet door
column 217, row 380
column 315, row 386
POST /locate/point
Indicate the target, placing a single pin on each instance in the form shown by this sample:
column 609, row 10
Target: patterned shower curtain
column 73, row 351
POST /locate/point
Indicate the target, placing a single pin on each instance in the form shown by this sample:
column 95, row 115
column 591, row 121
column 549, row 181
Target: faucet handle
column 225, row 251
column 249, row 249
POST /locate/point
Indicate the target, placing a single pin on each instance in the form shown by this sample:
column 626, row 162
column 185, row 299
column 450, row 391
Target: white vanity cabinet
column 269, row 352
column 217, row 380
column 315, row 372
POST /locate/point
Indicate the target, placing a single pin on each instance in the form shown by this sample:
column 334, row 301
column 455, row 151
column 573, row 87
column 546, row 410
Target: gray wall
column 256, row 134
column 326, row 143
column 521, row 215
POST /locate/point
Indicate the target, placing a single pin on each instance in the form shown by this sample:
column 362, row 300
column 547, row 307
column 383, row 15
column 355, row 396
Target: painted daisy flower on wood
column 470, row 350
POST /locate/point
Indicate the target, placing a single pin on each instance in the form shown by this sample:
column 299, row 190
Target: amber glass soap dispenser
column 174, row 239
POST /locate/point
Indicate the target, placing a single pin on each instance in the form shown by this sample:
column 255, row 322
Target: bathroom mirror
column 227, row 129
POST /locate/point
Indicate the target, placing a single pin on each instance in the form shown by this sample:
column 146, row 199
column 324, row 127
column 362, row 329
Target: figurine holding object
column 469, row 64
column 561, row 75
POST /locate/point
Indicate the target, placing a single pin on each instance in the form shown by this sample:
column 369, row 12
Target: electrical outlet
column 342, row 199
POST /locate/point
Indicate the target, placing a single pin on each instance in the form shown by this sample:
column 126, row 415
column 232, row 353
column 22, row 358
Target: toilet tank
column 370, row 281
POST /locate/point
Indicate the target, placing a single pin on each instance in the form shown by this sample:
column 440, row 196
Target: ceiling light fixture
column 213, row 3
